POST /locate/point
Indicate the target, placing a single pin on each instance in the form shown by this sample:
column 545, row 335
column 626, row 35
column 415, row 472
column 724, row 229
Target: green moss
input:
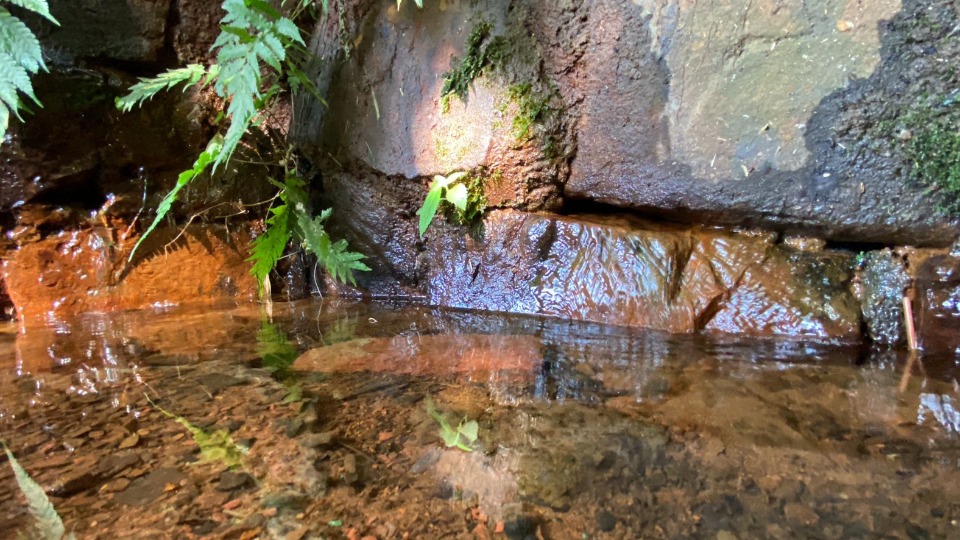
column 533, row 107
column 933, row 151
column 478, row 56
column 476, row 201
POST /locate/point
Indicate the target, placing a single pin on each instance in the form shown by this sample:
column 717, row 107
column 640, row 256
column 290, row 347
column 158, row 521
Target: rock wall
column 780, row 115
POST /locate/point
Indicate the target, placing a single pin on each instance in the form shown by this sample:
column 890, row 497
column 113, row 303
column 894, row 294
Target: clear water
column 584, row 431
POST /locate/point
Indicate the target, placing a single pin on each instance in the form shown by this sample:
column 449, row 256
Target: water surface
column 584, row 431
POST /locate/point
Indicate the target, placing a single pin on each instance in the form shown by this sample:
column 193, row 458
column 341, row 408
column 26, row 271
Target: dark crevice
column 855, row 247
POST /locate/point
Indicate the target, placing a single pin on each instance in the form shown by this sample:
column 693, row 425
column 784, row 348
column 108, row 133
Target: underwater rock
column 938, row 304
column 884, row 280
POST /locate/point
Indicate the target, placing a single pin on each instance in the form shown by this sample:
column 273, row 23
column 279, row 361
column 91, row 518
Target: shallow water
column 585, row 431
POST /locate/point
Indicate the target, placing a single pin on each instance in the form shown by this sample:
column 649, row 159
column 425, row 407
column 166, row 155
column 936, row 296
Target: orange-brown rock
column 938, row 304
column 478, row 357
column 84, row 270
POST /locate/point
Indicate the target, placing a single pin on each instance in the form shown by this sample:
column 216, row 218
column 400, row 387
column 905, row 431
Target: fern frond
column 339, row 262
column 206, row 157
column 46, row 520
column 254, row 33
column 151, row 86
column 17, row 40
column 39, row 7
column 267, row 249
column 13, row 78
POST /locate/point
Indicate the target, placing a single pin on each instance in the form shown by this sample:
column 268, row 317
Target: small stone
column 384, row 436
column 269, row 512
column 844, row 25
column 799, row 514
column 292, row 427
column 114, row 486
column 285, row 500
column 726, row 535
column 916, row 532
column 146, row 489
column 606, row 521
column 129, row 442
column 217, row 382
column 231, row 480
column 315, row 440
column 232, row 505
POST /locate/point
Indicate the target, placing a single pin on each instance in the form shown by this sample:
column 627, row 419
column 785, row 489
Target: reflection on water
column 584, row 430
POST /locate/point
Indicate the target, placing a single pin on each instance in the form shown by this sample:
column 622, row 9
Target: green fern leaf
column 285, row 27
column 4, row 119
column 149, row 87
column 13, row 78
column 46, row 520
column 39, row 7
column 206, row 157
column 334, row 257
column 268, row 248
column 17, row 40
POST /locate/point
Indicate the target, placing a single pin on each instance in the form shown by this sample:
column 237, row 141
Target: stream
column 341, row 419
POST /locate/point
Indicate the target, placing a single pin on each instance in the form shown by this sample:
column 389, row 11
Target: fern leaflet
column 267, row 249
column 47, row 522
column 20, row 57
column 149, row 87
column 39, row 7
column 203, row 161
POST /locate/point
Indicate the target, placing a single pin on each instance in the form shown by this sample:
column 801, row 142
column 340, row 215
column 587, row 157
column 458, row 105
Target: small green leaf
column 469, row 430
column 430, row 204
column 457, row 196
column 335, row 523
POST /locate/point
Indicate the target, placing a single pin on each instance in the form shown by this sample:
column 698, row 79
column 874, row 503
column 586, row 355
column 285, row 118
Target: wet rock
column 131, row 30
column 800, row 514
column 79, row 271
column 218, row 382
column 150, row 487
column 937, row 306
column 476, row 356
column 793, row 294
column 197, row 27
column 633, row 273
column 518, row 523
column 883, row 282
column 397, row 132
column 606, row 521
column 231, row 480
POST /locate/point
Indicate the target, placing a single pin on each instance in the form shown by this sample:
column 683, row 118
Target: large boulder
column 385, row 109
column 638, row 274
column 788, row 116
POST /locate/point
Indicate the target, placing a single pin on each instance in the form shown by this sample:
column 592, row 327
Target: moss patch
column 476, row 201
column 933, row 149
column 481, row 52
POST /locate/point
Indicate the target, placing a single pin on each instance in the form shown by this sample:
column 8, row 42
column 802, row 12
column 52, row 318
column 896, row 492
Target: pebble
column 800, row 514
column 606, row 521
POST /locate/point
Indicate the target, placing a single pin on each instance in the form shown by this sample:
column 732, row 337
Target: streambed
column 584, row 430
